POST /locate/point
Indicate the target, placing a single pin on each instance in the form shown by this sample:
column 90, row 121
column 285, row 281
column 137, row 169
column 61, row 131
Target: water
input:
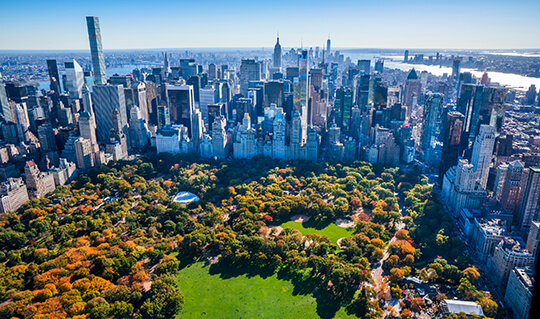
column 511, row 80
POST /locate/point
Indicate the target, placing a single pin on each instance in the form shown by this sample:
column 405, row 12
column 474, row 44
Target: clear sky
column 443, row 24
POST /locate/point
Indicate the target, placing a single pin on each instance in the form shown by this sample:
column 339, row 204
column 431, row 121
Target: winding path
column 377, row 272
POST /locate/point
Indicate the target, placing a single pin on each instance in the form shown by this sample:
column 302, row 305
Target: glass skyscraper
column 96, row 48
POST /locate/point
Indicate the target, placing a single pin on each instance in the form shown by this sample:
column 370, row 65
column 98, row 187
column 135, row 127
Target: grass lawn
column 331, row 230
column 211, row 292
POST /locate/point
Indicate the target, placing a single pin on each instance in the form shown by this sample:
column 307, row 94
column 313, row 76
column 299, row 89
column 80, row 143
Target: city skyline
column 241, row 24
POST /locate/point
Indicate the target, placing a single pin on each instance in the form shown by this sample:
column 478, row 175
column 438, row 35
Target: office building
column 328, row 48
column 431, row 125
column 96, row 49
column 343, row 108
column 107, row 98
column 54, row 77
column 451, row 142
column 65, row 117
column 364, row 66
column 301, row 94
column 456, row 69
column 379, row 66
column 481, row 106
column 250, row 70
column 277, row 55
column 137, row 129
column 273, row 93
column 180, row 104
column 511, row 187
column 117, row 145
column 412, row 92
column 4, row 103
column 482, row 153
column 207, row 96
column 22, row 122
column 528, row 208
column 74, row 79
column 87, row 129
column 47, row 138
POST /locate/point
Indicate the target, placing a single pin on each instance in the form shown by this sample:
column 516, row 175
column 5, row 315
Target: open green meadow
column 214, row 292
column 331, row 230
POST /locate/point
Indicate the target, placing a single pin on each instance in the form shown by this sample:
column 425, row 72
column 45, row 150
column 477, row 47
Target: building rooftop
column 492, row 227
column 186, row 198
column 526, row 276
column 457, row 306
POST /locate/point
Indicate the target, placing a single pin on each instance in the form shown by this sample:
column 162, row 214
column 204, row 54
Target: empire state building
column 277, row 54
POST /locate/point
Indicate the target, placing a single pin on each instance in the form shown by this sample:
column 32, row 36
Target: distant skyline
column 61, row 25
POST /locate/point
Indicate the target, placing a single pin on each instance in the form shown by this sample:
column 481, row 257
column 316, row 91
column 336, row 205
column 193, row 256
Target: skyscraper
column 411, row 94
column 166, row 66
column 75, row 79
column 510, row 191
column 379, row 66
column 137, row 127
column 181, row 104
column 106, row 99
column 87, row 129
column 83, row 149
column 117, row 143
column 206, row 96
column 54, row 77
column 250, row 70
column 456, row 69
column 46, row 138
column 482, row 153
column 431, row 127
column 529, row 200
column 212, row 71
column 96, row 48
column 273, row 93
column 219, row 137
column 4, row 105
column 301, row 93
column 328, row 47
column 364, row 66
column 451, row 142
column 343, row 107
column 277, row 54
column 481, row 106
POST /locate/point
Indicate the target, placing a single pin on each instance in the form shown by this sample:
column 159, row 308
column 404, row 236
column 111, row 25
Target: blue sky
column 457, row 24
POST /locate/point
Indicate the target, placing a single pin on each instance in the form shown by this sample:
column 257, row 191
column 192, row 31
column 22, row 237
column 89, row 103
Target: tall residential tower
column 98, row 61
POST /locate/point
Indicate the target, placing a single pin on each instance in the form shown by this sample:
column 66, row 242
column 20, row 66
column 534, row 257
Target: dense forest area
column 109, row 244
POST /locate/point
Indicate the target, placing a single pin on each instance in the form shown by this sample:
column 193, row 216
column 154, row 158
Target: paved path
column 377, row 271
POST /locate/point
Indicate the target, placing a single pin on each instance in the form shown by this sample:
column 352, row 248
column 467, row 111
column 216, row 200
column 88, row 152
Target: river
column 514, row 81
